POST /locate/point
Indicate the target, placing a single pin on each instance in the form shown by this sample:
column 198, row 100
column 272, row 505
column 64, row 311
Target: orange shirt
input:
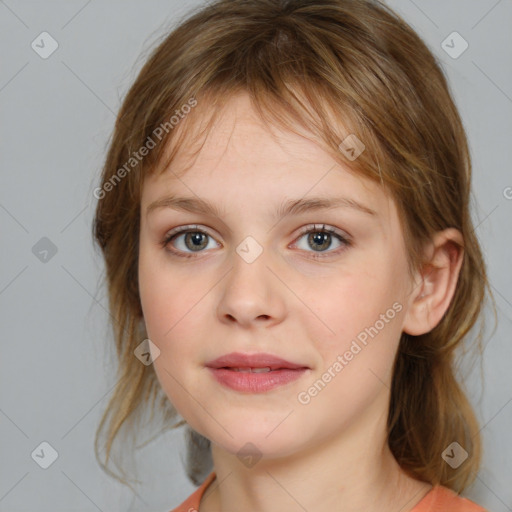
column 438, row 499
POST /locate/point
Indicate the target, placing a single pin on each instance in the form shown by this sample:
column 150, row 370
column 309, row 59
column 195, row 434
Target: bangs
column 306, row 110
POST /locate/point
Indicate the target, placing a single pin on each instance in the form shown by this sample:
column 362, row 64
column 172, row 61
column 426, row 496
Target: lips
column 256, row 373
column 249, row 362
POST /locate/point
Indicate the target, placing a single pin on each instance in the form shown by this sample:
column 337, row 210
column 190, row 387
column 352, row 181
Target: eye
column 194, row 239
column 321, row 238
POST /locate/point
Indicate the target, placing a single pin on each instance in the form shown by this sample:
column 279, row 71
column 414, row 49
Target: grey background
column 57, row 114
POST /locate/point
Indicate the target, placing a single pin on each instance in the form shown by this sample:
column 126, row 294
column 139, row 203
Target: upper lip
column 260, row 360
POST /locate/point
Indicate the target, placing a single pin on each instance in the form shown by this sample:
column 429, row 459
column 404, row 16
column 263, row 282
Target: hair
column 310, row 64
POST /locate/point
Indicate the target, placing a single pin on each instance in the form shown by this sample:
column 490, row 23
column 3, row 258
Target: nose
column 252, row 296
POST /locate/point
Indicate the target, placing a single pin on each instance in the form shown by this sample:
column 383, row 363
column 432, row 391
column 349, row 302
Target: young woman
column 284, row 216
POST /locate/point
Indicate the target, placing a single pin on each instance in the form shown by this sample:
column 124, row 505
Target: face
column 324, row 288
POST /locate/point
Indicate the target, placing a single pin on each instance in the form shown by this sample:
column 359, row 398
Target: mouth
column 254, row 373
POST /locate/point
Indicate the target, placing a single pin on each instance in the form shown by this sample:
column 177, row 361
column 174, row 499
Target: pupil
column 196, row 240
column 320, row 238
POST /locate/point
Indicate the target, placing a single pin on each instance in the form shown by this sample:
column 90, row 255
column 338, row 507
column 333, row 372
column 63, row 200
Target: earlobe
column 436, row 283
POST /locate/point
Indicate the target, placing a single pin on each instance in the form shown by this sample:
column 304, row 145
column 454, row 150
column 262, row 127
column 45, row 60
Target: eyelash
column 307, row 229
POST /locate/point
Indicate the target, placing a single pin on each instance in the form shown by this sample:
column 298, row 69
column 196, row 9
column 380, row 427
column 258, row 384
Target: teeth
column 253, row 370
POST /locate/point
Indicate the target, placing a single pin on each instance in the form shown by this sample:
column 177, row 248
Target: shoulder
column 443, row 499
column 191, row 504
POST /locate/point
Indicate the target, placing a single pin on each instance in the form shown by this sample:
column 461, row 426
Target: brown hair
column 307, row 62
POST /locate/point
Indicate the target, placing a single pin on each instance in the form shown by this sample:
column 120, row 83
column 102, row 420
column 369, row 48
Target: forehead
column 243, row 158
column 239, row 133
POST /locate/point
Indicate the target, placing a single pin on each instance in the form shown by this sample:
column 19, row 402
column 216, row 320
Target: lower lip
column 256, row 382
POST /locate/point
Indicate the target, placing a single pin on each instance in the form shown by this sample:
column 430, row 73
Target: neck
column 355, row 471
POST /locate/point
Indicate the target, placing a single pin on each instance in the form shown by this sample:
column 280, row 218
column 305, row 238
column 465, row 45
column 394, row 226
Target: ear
column 435, row 282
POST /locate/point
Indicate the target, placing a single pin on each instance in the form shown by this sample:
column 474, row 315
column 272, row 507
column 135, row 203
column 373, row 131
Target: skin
column 331, row 453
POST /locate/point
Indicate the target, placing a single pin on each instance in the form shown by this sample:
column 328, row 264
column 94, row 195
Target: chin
column 255, row 440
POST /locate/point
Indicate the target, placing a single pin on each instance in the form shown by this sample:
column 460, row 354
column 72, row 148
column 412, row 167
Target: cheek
column 167, row 297
column 355, row 365
column 356, row 300
column 171, row 323
column 362, row 314
column 168, row 306
column 171, row 306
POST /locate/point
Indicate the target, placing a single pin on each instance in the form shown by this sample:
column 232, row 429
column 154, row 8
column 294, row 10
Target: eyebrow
column 289, row 207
